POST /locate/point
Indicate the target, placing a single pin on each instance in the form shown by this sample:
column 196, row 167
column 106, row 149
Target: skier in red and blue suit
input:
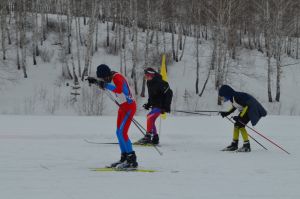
column 116, row 83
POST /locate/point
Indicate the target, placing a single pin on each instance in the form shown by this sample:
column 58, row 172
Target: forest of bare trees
column 268, row 26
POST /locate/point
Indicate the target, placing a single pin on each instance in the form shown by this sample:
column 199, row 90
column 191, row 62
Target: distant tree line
column 269, row 26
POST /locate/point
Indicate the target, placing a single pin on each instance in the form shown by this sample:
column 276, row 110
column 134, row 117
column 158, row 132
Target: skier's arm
column 231, row 110
column 226, row 113
column 244, row 111
column 117, row 88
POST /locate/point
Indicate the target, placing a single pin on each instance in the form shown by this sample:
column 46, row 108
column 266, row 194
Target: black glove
column 167, row 110
column 102, row 84
column 91, row 80
column 236, row 118
column 224, row 113
column 146, row 106
column 238, row 121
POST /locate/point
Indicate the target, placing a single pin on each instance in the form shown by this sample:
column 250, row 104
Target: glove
column 146, row 106
column 238, row 121
column 224, row 113
column 91, row 80
column 236, row 118
column 165, row 110
column 102, row 84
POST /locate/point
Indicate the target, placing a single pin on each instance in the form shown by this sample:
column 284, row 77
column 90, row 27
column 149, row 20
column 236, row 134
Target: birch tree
column 147, row 43
column 135, row 46
column 88, row 51
column 3, row 15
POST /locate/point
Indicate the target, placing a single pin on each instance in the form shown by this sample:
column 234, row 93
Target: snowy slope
column 44, row 157
column 44, row 92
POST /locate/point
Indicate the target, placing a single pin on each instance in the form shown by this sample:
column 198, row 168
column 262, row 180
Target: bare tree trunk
column 79, row 31
column 205, row 83
column 17, row 29
column 157, row 42
column 23, row 38
column 278, row 77
column 75, row 77
column 69, row 25
column 183, row 47
column 78, row 46
column 173, row 27
column 34, row 32
column 96, row 36
column 66, row 73
column 107, row 34
column 164, row 38
column 179, row 43
column 135, row 47
column 197, row 57
column 3, row 25
column 43, row 24
column 269, row 78
column 146, row 47
column 298, row 35
column 89, row 39
column 7, row 28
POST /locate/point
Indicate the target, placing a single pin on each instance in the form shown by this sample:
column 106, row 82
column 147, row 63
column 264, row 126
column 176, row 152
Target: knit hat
column 103, row 71
column 226, row 91
column 149, row 71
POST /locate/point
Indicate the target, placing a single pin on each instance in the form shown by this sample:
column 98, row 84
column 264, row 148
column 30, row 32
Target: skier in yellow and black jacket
column 250, row 110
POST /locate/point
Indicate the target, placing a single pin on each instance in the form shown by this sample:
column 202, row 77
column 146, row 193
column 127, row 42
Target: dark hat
column 103, row 71
column 149, row 71
column 226, row 91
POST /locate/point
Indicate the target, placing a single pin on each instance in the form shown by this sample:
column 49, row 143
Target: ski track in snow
column 46, row 157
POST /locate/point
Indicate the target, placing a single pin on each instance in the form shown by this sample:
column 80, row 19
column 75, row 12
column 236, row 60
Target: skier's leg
column 122, row 145
column 244, row 134
column 131, row 109
column 235, row 140
column 151, row 118
column 246, row 146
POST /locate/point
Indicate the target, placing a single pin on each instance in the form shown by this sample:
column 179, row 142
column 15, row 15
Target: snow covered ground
column 46, row 157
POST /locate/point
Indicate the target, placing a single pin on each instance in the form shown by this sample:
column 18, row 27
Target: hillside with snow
column 45, row 92
column 50, row 139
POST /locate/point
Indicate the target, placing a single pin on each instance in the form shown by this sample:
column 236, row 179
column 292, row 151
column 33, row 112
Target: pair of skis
column 113, row 169
column 108, row 143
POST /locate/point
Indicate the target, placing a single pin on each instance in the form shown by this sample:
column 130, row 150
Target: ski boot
column 155, row 140
column 232, row 147
column 130, row 163
column 245, row 147
column 122, row 160
column 145, row 140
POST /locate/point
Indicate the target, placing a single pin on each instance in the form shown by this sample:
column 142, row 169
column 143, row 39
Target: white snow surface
column 46, row 157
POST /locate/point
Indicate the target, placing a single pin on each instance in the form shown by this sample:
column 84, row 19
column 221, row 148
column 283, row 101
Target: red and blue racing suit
column 126, row 111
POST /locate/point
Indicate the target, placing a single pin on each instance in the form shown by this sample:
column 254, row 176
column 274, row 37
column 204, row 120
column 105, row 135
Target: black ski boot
column 155, row 139
column 123, row 159
column 245, row 148
column 232, row 147
column 145, row 140
column 130, row 163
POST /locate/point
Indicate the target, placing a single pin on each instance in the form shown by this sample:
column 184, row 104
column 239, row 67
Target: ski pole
column 265, row 137
column 206, row 111
column 190, row 112
column 137, row 124
column 250, row 136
